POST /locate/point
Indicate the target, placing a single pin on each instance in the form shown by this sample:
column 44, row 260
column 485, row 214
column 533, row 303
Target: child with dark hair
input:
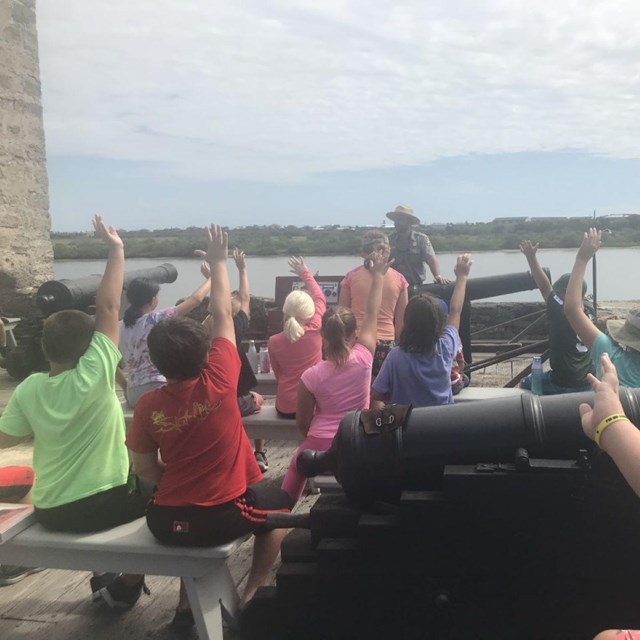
column 207, row 478
column 569, row 358
column 341, row 383
column 80, row 460
column 139, row 318
column 418, row 370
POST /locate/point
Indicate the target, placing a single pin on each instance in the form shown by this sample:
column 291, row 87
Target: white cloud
column 281, row 89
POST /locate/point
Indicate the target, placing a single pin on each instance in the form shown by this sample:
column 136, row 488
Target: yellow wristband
column 609, row 420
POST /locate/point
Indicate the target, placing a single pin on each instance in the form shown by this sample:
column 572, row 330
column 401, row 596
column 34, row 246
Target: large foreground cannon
column 59, row 295
column 491, row 520
column 378, row 461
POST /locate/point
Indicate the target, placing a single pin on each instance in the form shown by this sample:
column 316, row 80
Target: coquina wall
column 26, row 255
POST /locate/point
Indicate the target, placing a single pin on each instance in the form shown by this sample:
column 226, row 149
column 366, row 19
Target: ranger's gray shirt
column 410, row 255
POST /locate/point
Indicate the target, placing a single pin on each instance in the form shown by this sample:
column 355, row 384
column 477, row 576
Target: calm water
column 615, row 271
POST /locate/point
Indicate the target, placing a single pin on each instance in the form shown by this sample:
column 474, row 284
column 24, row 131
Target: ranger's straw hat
column 403, row 212
column 627, row 331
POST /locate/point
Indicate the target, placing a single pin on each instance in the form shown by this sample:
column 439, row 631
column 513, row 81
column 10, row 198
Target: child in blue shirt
column 418, row 370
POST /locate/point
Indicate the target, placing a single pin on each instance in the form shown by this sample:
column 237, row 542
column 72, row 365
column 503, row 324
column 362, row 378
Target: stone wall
column 26, row 254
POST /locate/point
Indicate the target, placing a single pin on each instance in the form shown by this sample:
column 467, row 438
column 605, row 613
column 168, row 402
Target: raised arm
column 368, row 331
column 609, row 427
column 540, row 277
column 220, row 300
column 463, row 266
column 243, row 281
column 573, row 307
column 191, row 302
column 110, row 289
column 298, row 267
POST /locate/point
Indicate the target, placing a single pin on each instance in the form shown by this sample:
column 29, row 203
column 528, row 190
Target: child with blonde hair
column 299, row 345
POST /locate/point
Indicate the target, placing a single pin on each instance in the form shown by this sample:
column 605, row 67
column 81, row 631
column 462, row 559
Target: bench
column 473, row 394
column 132, row 548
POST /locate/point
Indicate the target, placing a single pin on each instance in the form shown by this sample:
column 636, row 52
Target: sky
column 170, row 114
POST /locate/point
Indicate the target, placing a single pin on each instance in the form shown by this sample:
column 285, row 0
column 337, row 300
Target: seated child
column 623, row 344
column 341, row 383
column 139, row 318
column 208, row 481
column 80, row 460
column 569, row 358
column 299, row 346
column 418, row 370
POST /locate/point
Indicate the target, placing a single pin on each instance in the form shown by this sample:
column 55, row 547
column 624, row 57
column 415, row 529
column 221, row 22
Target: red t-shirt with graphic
column 196, row 424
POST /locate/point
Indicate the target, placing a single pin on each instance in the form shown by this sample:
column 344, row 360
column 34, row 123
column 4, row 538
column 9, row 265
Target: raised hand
column 106, row 233
column 204, row 265
column 377, row 262
column 238, row 257
column 217, row 244
column 606, row 401
column 529, row 250
column 463, row 265
column 590, row 244
column 297, row 265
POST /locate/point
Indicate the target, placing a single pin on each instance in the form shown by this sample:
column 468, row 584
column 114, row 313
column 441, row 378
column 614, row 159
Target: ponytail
column 298, row 309
column 338, row 326
column 140, row 292
column 293, row 330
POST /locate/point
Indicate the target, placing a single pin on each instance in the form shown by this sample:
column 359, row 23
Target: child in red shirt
column 206, row 478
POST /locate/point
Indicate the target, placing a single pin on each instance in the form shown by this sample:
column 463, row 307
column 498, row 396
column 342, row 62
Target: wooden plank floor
column 56, row 605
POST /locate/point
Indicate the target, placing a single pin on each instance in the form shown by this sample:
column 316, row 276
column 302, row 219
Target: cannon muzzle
column 57, row 295
column 485, row 287
column 379, row 466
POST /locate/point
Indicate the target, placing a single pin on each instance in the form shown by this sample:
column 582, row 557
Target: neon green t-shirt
column 78, row 425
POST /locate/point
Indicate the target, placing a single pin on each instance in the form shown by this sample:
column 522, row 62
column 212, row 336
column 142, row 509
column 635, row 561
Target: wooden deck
column 56, row 605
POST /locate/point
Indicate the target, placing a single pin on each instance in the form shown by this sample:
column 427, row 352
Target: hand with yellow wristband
column 607, row 409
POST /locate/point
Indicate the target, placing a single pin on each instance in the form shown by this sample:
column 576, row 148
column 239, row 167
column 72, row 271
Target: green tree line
column 274, row 240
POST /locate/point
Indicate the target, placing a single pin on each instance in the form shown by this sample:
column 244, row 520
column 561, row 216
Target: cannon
column 484, row 287
column 492, row 520
column 382, row 461
column 59, row 295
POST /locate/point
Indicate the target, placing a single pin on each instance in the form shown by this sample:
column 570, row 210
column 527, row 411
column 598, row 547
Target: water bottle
column 536, row 375
column 265, row 363
column 252, row 356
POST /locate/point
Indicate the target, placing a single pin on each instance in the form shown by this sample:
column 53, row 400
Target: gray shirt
column 410, row 255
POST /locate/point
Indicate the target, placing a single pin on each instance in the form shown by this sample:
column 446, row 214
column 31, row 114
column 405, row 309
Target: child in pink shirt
column 340, row 383
column 299, row 346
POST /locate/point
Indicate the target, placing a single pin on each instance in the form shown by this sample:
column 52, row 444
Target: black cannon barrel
column 57, row 295
column 379, row 466
column 485, row 287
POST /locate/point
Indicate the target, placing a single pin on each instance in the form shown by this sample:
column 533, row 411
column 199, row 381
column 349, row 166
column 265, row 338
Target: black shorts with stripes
column 195, row 526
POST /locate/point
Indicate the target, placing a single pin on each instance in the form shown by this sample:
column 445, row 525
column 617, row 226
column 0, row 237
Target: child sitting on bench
column 207, row 476
column 80, row 460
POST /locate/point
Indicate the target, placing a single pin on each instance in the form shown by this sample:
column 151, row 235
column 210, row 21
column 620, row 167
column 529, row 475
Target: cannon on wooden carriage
column 492, row 520
column 59, row 295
